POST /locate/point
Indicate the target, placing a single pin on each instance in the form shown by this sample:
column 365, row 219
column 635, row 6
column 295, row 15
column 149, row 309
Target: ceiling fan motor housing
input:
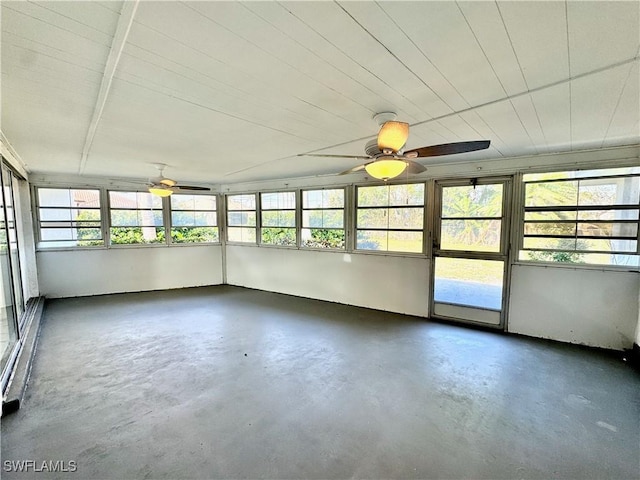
column 371, row 148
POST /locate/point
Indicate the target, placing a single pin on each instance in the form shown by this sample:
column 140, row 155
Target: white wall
column 589, row 307
column 24, row 223
column 383, row 282
column 74, row 273
column 26, row 241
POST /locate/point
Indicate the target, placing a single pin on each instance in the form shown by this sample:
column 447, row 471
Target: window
column 589, row 216
column 136, row 218
column 241, row 218
column 471, row 218
column 69, row 217
column 390, row 218
column 278, row 218
column 193, row 218
column 323, row 218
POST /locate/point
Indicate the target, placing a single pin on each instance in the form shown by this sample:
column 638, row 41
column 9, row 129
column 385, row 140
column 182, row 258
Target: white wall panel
column 589, row 307
column 383, row 282
column 75, row 273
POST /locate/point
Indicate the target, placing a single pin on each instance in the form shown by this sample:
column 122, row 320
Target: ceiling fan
column 163, row 187
column 386, row 158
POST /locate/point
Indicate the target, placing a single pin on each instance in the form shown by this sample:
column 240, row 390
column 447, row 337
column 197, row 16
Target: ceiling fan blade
column 352, row 170
column 357, row 157
column 191, row 187
column 448, row 149
column 415, row 167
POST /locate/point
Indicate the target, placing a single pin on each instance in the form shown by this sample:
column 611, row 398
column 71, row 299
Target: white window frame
column 229, row 226
column 523, row 209
column 40, row 243
column 169, row 219
column 424, row 230
column 296, row 218
column 344, row 217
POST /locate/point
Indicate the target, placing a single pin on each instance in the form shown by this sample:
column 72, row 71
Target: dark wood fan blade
column 414, row 167
column 448, row 149
column 191, row 187
column 357, row 157
column 352, row 170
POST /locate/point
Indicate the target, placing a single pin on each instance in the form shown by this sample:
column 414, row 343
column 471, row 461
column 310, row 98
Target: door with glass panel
column 470, row 250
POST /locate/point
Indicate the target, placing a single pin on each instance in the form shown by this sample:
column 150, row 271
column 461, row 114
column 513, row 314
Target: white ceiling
column 225, row 92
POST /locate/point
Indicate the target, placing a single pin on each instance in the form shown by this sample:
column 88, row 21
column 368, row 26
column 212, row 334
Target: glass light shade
column 385, row 169
column 161, row 192
column 393, row 136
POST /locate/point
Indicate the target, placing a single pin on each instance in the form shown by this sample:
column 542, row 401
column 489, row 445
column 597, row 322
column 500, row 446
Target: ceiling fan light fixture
column 160, row 191
column 393, row 136
column 386, row 169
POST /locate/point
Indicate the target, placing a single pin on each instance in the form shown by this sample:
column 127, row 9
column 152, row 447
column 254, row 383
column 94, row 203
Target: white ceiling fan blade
column 415, row 167
column 353, row 170
column 356, row 157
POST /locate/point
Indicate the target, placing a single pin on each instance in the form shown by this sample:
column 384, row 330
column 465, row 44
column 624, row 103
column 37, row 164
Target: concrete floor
column 225, row 382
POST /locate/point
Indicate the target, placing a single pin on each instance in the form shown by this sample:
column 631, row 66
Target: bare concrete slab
column 225, row 382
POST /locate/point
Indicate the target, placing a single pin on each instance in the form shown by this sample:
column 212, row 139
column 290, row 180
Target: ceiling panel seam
column 370, row 72
column 566, row 19
column 464, row 100
column 215, row 79
column 497, row 77
column 498, row 100
column 388, row 50
column 329, row 64
column 615, row 109
column 524, row 77
column 314, row 79
column 127, row 14
column 6, row 5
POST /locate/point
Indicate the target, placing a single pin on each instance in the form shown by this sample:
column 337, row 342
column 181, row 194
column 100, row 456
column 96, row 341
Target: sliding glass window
column 69, row 218
column 194, row 219
column 136, row 218
column 390, row 218
column 11, row 295
column 278, row 218
column 586, row 216
column 241, row 218
column 323, row 218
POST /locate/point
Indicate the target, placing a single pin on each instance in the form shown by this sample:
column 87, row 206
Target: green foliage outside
column 194, row 234
column 325, row 238
column 138, row 235
column 135, row 235
column 279, row 236
column 554, row 194
column 562, row 257
column 89, row 237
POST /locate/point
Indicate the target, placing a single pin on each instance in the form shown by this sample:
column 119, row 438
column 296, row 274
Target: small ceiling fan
column 163, row 187
column 386, row 158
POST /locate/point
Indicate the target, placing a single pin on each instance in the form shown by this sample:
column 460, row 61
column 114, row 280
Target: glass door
column 8, row 316
column 470, row 250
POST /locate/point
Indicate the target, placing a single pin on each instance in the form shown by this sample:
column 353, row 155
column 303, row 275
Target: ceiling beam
column 125, row 21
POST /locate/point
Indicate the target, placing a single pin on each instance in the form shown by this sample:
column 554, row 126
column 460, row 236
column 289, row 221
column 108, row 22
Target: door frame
column 503, row 255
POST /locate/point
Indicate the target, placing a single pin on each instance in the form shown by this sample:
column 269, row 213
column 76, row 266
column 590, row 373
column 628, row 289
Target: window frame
column 522, row 209
column 109, row 226
column 228, row 226
column 169, row 220
column 38, row 221
column 344, row 209
column 425, row 231
column 297, row 215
